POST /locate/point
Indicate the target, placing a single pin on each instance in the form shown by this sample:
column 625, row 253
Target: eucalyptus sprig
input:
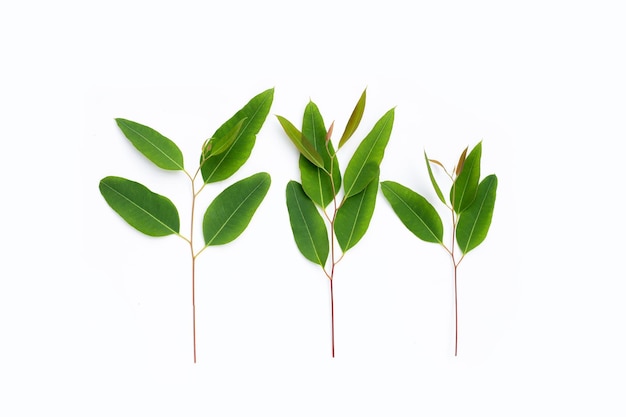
column 470, row 203
column 222, row 155
column 351, row 210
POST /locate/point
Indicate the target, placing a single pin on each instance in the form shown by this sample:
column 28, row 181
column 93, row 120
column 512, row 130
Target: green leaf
column 354, row 121
column 222, row 166
column 146, row 211
column 370, row 151
column 302, row 143
column 474, row 222
column 316, row 181
column 465, row 185
column 370, row 171
column 160, row 150
column 216, row 146
column 231, row 211
column 354, row 215
column 307, row 225
column 433, row 181
column 417, row 214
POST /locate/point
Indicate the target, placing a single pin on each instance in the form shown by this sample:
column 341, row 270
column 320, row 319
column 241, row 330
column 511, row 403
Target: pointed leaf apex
column 330, row 131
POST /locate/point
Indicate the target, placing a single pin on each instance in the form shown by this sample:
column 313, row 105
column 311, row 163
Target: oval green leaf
column 474, row 222
column 354, row 216
column 433, row 181
column 231, row 211
column 370, row 151
column 222, row 166
column 160, row 150
column 316, row 181
column 146, row 211
column 354, row 121
column 307, row 225
column 415, row 212
column 464, row 188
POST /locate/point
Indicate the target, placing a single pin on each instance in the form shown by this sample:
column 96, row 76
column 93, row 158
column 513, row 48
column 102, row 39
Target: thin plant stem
column 332, row 318
column 193, row 266
column 456, row 315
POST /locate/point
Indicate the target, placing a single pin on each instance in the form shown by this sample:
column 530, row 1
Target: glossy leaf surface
column 216, row 146
column 163, row 152
column 316, row 182
column 465, row 185
column 222, row 166
column 370, row 151
column 307, row 225
column 231, row 211
column 415, row 212
column 433, row 180
column 354, row 216
column 354, row 121
column 302, row 143
column 146, row 211
column 474, row 222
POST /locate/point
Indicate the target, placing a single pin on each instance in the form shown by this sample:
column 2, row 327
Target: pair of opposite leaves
column 231, row 211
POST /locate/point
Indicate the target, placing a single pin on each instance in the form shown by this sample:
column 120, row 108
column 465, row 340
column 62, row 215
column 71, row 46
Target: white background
column 95, row 318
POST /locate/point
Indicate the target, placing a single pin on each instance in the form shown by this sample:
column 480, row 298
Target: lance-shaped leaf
column 474, row 222
column 231, row 211
column 160, row 150
column 216, row 146
column 354, row 215
column 302, row 143
column 433, row 181
column 146, row 211
column 459, row 165
column 307, row 225
column 354, row 121
column 369, row 153
column 417, row 214
column 224, row 165
column 465, row 185
column 316, row 181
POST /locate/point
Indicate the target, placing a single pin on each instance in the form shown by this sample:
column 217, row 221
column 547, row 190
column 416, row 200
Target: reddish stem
column 193, row 302
column 332, row 318
column 456, row 316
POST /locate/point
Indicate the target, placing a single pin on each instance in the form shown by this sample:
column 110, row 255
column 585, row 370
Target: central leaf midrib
column 140, row 207
column 306, row 226
column 416, row 215
column 154, row 146
column 233, row 213
column 366, row 160
column 241, row 132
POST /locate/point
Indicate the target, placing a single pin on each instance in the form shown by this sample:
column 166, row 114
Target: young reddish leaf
column 354, row 121
column 459, row 165
column 330, row 131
